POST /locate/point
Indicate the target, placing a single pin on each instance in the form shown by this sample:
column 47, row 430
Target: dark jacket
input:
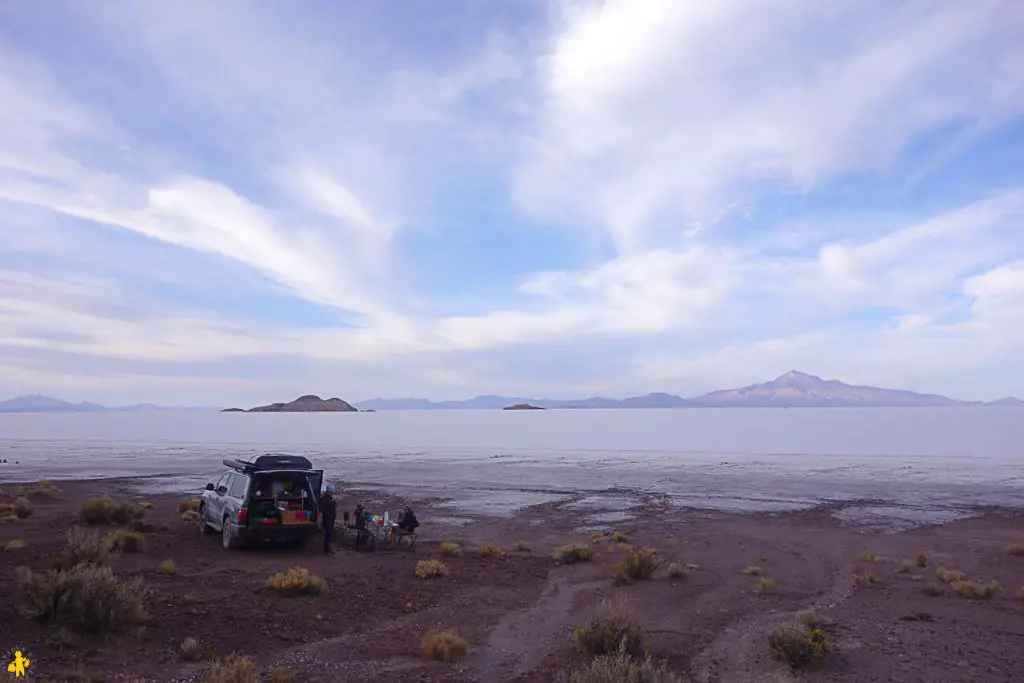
column 328, row 507
column 409, row 521
column 360, row 518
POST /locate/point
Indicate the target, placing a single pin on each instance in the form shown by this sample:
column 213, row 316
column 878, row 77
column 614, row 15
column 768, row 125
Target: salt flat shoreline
column 516, row 610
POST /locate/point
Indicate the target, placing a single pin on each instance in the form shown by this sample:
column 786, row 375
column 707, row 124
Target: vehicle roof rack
column 269, row 462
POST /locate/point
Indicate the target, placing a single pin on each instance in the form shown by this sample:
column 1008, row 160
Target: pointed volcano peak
column 796, row 374
column 794, row 379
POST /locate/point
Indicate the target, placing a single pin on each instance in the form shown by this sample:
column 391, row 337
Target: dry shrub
column 522, row 547
column 126, row 541
column 675, row 571
column 167, row 567
column 450, row 549
column 443, row 646
column 191, row 650
column 866, row 579
column 612, row 629
column 104, row 510
column 143, row 526
column 1016, row 548
column 868, row 557
column 619, row 537
column 279, row 674
column 22, row 507
column 810, row 618
column 596, row 537
column 620, row 667
column 13, row 544
column 933, row 590
column 973, row 590
column 766, row 586
column 294, row 582
column 573, row 553
column 64, row 639
column 188, row 504
column 45, row 489
column 189, row 516
column 637, row 565
column 232, row 669
column 491, row 551
column 144, row 505
column 1020, row 592
column 907, row 566
column 797, row 645
column 86, row 597
column 949, row 575
column 922, row 560
column 430, row 569
column 83, row 547
column 753, row 570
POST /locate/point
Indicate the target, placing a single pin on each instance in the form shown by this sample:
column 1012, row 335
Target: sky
column 244, row 201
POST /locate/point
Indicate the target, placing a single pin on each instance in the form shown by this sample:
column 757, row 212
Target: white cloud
column 161, row 220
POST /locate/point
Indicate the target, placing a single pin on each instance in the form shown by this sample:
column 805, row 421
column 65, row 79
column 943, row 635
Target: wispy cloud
column 567, row 198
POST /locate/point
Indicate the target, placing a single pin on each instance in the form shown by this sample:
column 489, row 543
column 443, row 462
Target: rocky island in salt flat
column 523, row 406
column 303, row 404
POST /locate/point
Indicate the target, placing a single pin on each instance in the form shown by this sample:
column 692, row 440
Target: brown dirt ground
column 517, row 611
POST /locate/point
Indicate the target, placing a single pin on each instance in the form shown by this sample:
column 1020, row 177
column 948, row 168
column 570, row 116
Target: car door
column 316, row 482
column 237, row 491
column 215, row 506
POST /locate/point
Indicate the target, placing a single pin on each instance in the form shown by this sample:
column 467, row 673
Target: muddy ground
column 517, row 611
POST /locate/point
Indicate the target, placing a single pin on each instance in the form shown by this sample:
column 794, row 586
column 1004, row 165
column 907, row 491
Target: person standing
column 328, row 514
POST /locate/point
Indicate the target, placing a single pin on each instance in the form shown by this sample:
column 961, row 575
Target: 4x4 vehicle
column 268, row 498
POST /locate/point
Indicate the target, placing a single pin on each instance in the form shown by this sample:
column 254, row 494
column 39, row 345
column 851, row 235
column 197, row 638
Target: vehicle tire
column 229, row 541
column 204, row 528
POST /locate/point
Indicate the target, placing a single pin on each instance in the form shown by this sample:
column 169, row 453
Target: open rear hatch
column 285, row 498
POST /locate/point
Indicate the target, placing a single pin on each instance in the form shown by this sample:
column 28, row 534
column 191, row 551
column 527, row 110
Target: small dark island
column 303, row 404
column 523, row 406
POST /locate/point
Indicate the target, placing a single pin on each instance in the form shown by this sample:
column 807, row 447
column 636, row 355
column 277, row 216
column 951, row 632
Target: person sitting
column 360, row 524
column 408, row 521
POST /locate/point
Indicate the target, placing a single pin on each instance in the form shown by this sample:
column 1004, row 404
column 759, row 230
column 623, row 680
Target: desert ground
column 674, row 594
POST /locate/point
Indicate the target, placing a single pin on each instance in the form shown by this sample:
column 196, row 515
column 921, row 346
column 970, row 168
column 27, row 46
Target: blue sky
column 238, row 202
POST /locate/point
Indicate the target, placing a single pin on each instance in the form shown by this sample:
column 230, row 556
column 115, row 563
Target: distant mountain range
column 794, row 389
column 36, row 403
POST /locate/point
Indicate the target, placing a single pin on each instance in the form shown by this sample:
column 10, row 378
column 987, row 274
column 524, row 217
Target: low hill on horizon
column 793, row 389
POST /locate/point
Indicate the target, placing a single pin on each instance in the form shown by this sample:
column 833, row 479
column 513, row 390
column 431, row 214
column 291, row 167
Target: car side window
column 238, row 486
column 223, row 481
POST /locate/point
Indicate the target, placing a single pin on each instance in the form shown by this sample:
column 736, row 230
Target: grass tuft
column 810, row 617
column 168, row 567
column 619, row 537
column 611, row 629
column 620, row 667
column 450, row 549
column 1015, row 548
column 573, row 553
column 868, row 557
column 636, row 565
column 279, row 674
column 676, row 571
column 907, row 566
column 232, row 669
column 797, row 645
column 126, row 541
column 13, row 544
column 753, row 570
column 949, row 575
column 22, row 507
column 973, row 590
column 922, row 560
column 443, row 646
column 189, row 516
column 490, row 550
column 431, row 569
column 865, row 579
column 766, row 586
column 188, row 504
column 295, row 582
column 522, row 547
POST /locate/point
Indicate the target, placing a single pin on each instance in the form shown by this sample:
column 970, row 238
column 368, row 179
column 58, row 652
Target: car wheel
column 228, row 540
